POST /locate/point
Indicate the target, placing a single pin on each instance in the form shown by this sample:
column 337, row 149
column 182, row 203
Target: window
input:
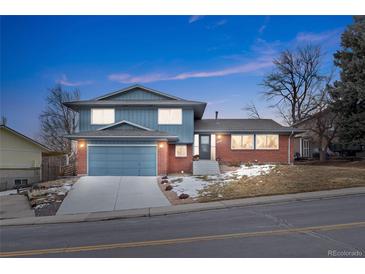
column 242, row 141
column 181, row 151
column 267, row 141
column 169, row 116
column 102, row 116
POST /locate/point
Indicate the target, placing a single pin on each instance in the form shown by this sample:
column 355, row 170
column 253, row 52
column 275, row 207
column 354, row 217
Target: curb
column 184, row 208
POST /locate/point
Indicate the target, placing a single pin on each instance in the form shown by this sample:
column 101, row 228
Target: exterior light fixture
column 160, row 145
column 82, row 144
column 219, row 136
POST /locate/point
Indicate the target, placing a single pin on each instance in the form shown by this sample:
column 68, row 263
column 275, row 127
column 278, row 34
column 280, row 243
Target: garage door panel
column 122, row 160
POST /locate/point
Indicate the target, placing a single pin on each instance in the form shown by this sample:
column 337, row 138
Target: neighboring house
column 307, row 144
column 20, row 159
column 141, row 131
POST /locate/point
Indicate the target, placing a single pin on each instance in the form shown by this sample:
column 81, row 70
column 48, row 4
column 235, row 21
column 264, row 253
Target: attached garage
column 123, row 160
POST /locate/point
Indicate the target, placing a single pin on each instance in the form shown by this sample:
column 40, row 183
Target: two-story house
column 141, row 131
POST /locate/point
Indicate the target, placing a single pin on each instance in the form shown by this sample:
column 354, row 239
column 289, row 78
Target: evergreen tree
column 348, row 93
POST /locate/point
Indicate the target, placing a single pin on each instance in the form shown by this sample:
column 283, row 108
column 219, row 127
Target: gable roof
column 146, row 89
column 241, row 125
column 43, row 147
column 137, row 126
column 170, row 101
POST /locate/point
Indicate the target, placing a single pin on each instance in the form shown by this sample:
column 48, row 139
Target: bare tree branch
column 57, row 120
column 294, row 83
column 252, row 111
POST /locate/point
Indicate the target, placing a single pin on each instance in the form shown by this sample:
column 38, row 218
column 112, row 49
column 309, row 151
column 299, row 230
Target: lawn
column 264, row 180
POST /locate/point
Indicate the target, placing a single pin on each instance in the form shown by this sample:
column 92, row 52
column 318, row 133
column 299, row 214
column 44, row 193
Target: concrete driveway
column 108, row 193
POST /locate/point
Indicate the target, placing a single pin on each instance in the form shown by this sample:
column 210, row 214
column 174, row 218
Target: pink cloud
column 154, row 77
column 64, row 81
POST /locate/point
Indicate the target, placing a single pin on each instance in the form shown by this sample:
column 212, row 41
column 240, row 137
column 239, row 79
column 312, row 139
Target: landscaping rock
column 164, row 178
column 183, row 196
column 168, row 188
column 164, row 182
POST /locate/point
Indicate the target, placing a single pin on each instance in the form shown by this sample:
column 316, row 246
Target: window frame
column 186, row 151
column 92, row 116
column 278, row 138
column 168, row 123
column 253, row 141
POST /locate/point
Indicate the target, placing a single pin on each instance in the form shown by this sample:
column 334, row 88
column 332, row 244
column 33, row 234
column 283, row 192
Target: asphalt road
column 297, row 229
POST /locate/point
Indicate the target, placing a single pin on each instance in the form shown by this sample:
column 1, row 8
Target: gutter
column 289, row 146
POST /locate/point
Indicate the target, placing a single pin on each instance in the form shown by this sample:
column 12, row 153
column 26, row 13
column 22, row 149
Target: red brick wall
column 81, row 158
column 226, row 155
column 177, row 164
column 162, row 158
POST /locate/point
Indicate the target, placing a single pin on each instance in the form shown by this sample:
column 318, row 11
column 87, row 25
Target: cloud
column 264, row 25
column 154, row 77
column 195, row 18
column 64, row 81
column 217, row 24
column 262, row 28
column 318, row 37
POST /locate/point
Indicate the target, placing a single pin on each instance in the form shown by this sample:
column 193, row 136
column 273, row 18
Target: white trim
column 278, row 148
column 180, row 122
column 104, row 108
column 186, row 151
column 118, row 137
column 253, row 141
column 196, row 145
column 301, row 147
column 125, row 122
column 212, row 147
column 120, row 145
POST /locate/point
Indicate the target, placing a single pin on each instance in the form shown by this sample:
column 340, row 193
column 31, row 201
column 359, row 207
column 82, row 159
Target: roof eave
column 157, row 138
column 248, row 130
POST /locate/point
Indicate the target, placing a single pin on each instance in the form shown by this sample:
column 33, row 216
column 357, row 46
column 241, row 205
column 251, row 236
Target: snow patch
column 8, row 192
column 192, row 185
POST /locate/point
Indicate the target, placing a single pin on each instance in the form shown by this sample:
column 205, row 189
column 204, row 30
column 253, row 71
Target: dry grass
column 287, row 179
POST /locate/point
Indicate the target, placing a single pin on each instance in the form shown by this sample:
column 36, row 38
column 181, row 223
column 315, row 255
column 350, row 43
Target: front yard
column 260, row 180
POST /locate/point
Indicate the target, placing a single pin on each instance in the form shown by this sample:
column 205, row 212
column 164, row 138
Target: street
column 313, row 228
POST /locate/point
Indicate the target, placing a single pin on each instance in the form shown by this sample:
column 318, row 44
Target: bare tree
column 295, row 82
column 325, row 125
column 57, row 120
column 3, row 120
column 252, row 111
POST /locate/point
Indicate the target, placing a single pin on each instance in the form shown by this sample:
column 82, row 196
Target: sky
column 220, row 60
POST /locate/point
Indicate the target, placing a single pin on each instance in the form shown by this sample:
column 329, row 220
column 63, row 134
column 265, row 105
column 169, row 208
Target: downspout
column 289, row 146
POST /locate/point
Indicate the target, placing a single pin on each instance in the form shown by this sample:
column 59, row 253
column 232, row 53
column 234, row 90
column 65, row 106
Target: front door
column 204, row 147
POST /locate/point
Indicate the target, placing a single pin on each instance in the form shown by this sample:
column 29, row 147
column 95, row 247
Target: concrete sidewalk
column 15, row 206
column 167, row 210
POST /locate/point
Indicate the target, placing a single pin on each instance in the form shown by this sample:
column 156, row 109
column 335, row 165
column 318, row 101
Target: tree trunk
column 323, row 149
column 322, row 155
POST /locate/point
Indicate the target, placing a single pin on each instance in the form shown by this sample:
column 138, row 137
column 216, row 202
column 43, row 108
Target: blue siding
column 136, row 94
column 146, row 117
column 122, row 161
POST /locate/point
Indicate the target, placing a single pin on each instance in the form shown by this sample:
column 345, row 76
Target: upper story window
column 242, row 141
column 102, row 116
column 267, row 141
column 169, row 116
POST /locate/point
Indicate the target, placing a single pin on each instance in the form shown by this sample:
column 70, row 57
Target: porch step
column 205, row 167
